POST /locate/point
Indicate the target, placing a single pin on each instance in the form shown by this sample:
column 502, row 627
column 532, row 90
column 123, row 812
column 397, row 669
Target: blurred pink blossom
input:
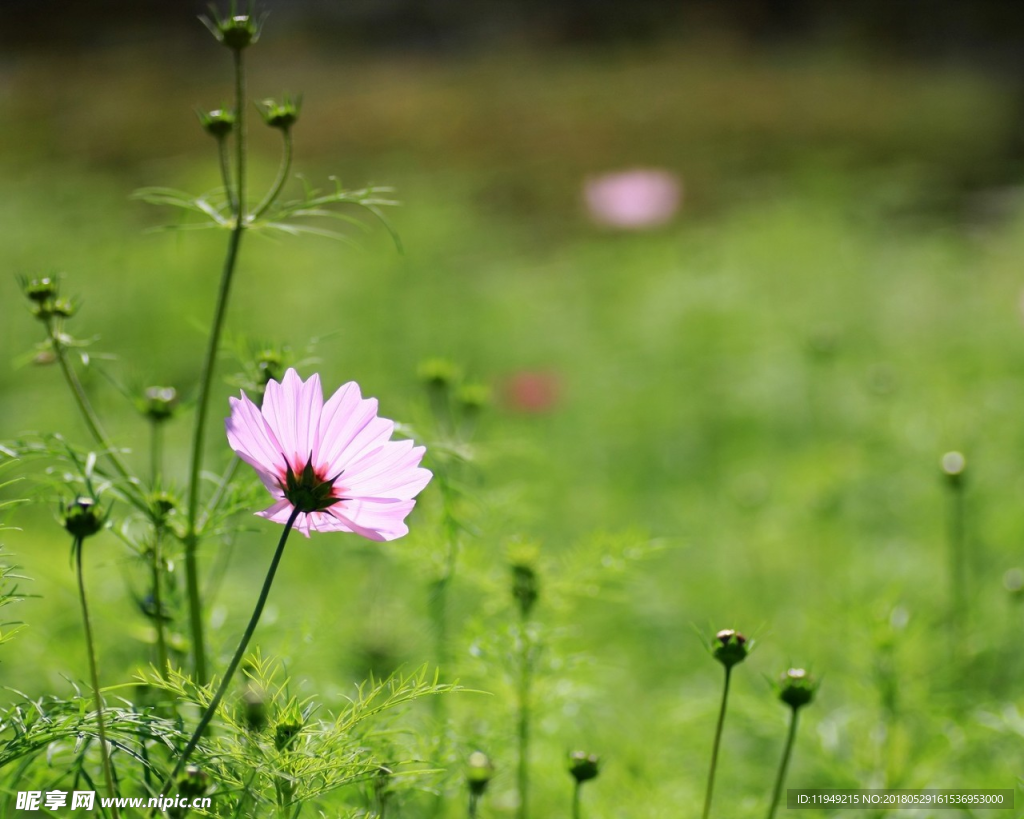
column 633, row 200
column 531, row 391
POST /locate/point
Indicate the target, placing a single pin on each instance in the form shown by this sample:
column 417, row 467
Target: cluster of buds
column 797, row 688
column 730, row 647
column 193, row 782
column 47, row 303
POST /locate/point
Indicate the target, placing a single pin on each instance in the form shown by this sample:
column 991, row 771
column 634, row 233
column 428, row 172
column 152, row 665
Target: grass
column 762, row 391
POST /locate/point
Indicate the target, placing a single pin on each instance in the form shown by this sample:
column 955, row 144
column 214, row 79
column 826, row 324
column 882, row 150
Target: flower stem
column 781, row 778
column 158, row 606
column 525, row 680
column 282, row 177
column 243, row 644
column 89, row 415
column 473, row 799
column 718, row 740
column 156, row 452
column 956, row 534
column 94, row 674
column 576, row 800
column 206, row 381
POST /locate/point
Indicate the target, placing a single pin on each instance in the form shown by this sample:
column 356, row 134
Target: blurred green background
column 761, row 389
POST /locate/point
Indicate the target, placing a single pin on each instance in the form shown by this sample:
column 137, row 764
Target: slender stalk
column 282, row 176
column 473, row 800
column 525, row 679
column 156, row 451
column 576, row 800
column 89, row 415
column 956, row 533
column 718, row 740
column 243, row 644
column 781, row 778
column 108, row 774
column 206, row 381
column 158, row 605
column 225, row 173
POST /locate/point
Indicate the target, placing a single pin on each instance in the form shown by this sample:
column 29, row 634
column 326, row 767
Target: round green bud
column 1013, row 582
column 473, row 398
column 159, row 403
column 40, row 290
column 238, row 32
column 217, row 123
column 270, row 365
column 479, row 772
column 281, row 115
column 439, row 374
column 525, row 586
column 82, row 518
column 796, row 688
column 954, row 464
column 729, row 647
column 583, row 766
column 286, row 733
column 254, row 710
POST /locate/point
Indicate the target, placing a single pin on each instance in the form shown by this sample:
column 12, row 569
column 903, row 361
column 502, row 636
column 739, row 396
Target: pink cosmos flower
column 335, row 463
column 633, row 200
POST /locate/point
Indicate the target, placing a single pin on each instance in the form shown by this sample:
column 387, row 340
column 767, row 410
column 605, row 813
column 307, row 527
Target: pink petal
column 292, row 409
column 349, row 425
column 376, row 520
column 251, row 438
column 391, row 471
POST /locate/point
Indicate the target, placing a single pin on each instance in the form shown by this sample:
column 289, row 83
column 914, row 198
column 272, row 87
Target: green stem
column 92, row 420
column 94, row 674
column 206, row 382
column 243, row 644
column 225, row 173
column 525, row 668
column 718, row 740
column 576, row 800
column 473, row 799
column 282, row 177
column 781, row 778
column 156, row 452
column 957, row 567
column 158, row 606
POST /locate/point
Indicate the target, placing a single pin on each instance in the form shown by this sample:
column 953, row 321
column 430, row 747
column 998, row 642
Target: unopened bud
column 954, row 464
column 270, row 364
column 729, row 647
column 281, row 115
column 40, row 290
column 217, row 123
column 254, row 710
column 82, row 518
column 473, row 398
column 236, row 31
column 439, row 374
column 285, row 734
column 583, row 766
column 525, row 586
column 1013, row 582
column 479, row 772
column 158, row 403
column 796, row 688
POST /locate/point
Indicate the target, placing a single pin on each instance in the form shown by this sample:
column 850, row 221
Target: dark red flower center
column 309, row 490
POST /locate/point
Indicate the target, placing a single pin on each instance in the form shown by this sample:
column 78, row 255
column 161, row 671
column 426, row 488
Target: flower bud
column 479, row 772
column 192, row 783
column 82, row 518
column 162, row 503
column 40, row 290
column 583, row 766
column 158, row 403
column 270, row 365
column 1013, row 582
column 286, row 732
column 525, row 587
column 281, row 115
column 439, row 374
column 796, row 688
column 954, row 464
column 217, row 123
column 254, row 711
column 236, row 31
column 473, row 398
column 729, row 647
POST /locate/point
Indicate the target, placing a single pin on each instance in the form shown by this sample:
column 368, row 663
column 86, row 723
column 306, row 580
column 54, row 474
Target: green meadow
column 748, row 406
